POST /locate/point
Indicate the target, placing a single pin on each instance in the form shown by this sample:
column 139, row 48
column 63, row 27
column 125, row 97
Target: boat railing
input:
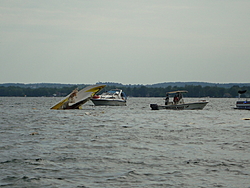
column 181, row 101
column 202, row 100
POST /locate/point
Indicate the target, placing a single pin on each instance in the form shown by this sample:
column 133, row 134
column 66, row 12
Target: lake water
column 130, row 146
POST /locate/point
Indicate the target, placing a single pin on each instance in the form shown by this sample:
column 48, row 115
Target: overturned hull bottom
column 77, row 105
column 101, row 102
column 185, row 106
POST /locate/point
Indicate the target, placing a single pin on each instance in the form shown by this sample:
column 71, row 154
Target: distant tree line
column 142, row 91
column 14, row 91
column 193, row 91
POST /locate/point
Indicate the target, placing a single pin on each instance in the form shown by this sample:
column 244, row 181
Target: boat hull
column 242, row 105
column 107, row 102
column 184, row 106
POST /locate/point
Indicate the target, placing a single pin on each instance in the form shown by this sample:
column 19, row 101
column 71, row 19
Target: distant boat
column 178, row 103
column 114, row 97
column 77, row 98
column 242, row 104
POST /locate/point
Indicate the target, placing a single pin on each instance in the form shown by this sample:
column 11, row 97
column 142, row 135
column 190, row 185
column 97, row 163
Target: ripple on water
column 129, row 146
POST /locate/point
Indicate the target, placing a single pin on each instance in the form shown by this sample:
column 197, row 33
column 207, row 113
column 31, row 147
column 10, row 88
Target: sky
column 124, row 41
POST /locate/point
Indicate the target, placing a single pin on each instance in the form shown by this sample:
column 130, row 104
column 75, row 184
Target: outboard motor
column 154, row 106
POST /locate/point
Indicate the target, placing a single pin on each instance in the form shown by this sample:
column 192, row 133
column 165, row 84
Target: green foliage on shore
column 141, row 91
column 14, row 91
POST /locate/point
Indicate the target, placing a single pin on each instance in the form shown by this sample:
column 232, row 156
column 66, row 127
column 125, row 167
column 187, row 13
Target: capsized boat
column 178, row 103
column 114, row 97
column 77, row 98
column 242, row 104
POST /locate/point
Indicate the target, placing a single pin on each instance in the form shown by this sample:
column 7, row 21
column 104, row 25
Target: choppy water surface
column 129, row 146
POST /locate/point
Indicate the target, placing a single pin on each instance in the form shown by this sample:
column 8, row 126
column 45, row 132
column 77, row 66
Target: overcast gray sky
column 125, row 41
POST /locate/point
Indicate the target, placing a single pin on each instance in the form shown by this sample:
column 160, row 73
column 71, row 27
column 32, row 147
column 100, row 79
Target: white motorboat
column 178, row 103
column 114, row 97
column 242, row 104
column 77, row 98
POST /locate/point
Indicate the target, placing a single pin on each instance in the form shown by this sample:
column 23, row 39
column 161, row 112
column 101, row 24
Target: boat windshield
column 111, row 92
column 123, row 95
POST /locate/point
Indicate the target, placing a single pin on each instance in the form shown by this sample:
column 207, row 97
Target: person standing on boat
column 176, row 99
column 167, row 99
